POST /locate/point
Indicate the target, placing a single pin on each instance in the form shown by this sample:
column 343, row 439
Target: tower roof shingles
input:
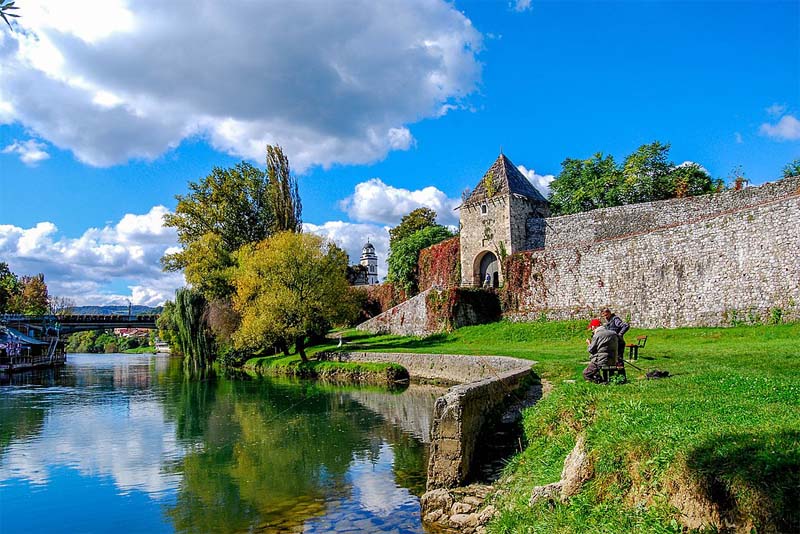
column 505, row 179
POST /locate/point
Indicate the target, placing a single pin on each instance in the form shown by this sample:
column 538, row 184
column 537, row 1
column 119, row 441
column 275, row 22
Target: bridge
column 69, row 323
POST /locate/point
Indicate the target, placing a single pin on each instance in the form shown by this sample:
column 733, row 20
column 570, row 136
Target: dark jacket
column 604, row 346
column 617, row 325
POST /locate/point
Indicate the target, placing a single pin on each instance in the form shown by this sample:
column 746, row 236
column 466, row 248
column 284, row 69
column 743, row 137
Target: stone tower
column 494, row 222
column 370, row 260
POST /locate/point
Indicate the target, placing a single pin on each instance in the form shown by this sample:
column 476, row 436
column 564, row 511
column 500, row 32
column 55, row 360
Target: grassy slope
column 728, row 421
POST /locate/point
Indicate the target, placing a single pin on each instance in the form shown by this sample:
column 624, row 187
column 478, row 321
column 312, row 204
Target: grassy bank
column 140, row 350
column 369, row 373
column 724, row 426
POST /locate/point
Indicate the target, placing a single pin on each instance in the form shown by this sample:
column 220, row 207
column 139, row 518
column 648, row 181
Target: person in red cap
column 603, row 348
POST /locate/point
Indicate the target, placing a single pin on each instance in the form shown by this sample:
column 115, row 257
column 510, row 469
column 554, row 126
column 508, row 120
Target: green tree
column 194, row 337
column 167, row 325
column 585, row 185
column 283, row 194
column 645, row 176
column 404, row 255
column 288, row 287
column 9, row 287
column 792, row 169
column 82, row 341
column 416, row 220
column 208, row 267
column 225, row 210
column 691, row 179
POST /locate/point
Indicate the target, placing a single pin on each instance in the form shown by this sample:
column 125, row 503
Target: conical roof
column 504, row 178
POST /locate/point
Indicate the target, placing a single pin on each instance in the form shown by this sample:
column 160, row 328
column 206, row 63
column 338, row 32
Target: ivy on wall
column 524, row 285
column 440, row 265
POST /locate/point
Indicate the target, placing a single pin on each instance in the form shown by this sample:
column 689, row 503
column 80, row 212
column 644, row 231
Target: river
column 123, row 443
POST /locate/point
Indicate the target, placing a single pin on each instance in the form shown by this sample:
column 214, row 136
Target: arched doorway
column 486, row 263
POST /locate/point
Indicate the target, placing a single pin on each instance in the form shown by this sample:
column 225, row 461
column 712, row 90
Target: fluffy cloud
column 540, row 181
column 95, row 440
column 30, row 152
column 375, row 201
column 84, row 268
column 786, row 129
column 352, row 236
column 331, row 82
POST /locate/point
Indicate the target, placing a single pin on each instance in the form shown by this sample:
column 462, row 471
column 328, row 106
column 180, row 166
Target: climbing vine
column 489, row 184
column 440, row 265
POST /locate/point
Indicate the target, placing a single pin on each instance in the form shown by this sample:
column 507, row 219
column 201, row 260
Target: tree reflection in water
column 274, row 454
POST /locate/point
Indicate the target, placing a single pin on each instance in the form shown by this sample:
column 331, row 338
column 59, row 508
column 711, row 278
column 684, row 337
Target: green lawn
column 727, row 422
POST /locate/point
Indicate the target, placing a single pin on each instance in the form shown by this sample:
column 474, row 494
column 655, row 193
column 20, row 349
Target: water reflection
column 209, row 456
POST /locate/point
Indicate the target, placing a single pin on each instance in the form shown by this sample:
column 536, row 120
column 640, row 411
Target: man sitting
column 603, row 348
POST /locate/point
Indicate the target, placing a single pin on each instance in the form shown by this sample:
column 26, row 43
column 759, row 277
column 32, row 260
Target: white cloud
column 330, row 82
column 85, row 268
column 30, row 152
column 94, row 439
column 688, row 163
column 776, row 110
column 521, row 5
column 351, row 237
column 786, row 129
column 375, row 201
column 539, row 181
column 738, row 137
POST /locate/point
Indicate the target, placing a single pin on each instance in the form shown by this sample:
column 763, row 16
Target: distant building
column 366, row 273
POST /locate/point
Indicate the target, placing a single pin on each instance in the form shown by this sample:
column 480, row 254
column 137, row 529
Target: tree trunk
column 300, row 345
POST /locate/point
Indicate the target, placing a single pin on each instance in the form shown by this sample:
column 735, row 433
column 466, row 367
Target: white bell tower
column 370, row 260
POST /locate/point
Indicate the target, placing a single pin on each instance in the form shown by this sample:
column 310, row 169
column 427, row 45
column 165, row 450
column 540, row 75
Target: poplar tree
column 283, row 193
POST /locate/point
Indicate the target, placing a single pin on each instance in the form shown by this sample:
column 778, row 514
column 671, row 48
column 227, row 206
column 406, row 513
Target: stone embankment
column 487, row 386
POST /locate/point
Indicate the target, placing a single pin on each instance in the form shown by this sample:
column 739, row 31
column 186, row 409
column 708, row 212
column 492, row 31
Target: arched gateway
column 486, row 263
column 495, row 220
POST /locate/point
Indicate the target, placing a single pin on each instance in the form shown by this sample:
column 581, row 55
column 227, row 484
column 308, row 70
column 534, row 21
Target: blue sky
column 381, row 106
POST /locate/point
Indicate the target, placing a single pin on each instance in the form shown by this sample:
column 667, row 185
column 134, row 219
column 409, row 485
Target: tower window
column 484, row 209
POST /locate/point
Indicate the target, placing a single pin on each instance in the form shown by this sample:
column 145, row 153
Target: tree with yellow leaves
column 287, row 287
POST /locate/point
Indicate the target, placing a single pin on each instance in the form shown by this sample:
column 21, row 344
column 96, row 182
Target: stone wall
column 435, row 311
column 447, row 367
column 635, row 219
column 738, row 263
column 488, row 384
column 458, row 421
column 409, row 318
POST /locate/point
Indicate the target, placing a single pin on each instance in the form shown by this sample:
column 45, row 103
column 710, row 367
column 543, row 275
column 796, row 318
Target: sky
column 109, row 108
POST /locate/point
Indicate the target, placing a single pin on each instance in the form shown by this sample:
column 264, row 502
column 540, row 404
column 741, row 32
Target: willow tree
column 194, row 338
column 289, row 286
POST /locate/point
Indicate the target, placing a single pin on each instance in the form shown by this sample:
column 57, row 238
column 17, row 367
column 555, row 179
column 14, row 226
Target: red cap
column 594, row 323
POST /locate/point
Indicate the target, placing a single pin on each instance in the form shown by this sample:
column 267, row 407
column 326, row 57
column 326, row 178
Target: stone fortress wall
column 708, row 260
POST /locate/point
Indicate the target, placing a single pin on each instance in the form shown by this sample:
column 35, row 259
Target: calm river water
column 122, row 443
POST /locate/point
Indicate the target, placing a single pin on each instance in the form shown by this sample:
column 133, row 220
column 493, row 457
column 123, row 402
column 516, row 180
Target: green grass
column 140, row 350
column 725, row 424
column 382, row 373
